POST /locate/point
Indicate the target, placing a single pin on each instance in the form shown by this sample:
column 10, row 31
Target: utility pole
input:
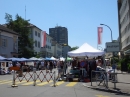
column 25, row 12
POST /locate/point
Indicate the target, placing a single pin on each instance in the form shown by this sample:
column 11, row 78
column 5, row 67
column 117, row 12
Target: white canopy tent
column 86, row 50
column 62, row 59
column 33, row 58
column 53, row 58
column 41, row 59
column 2, row 58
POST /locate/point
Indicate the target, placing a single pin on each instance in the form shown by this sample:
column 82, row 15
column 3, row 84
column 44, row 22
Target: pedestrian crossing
column 38, row 83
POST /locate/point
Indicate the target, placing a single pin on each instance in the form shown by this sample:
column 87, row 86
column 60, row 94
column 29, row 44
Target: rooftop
column 3, row 28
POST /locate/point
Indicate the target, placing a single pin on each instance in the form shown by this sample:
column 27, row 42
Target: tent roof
column 85, row 50
column 53, row 58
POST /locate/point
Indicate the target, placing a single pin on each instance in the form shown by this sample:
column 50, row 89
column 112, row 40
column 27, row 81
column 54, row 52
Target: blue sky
column 81, row 17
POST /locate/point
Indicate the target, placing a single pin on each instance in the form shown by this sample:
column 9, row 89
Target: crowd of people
column 85, row 65
column 47, row 65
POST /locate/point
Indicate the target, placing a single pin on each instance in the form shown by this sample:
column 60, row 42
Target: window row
column 47, row 39
column 123, row 8
column 126, row 41
column 37, row 44
column 127, row 28
column 47, row 46
column 125, row 19
column 37, row 33
column 3, row 42
column 59, row 46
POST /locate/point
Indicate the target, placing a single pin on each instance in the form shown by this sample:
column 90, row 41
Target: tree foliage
column 21, row 26
column 74, row 48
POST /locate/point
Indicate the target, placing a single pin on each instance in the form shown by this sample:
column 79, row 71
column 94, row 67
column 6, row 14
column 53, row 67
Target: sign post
column 113, row 47
column 14, row 72
column 34, row 72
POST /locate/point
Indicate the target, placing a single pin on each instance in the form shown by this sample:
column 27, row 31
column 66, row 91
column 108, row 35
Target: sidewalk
column 123, row 85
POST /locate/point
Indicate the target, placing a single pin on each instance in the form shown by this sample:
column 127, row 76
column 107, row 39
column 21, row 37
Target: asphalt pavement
column 48, row 91
column 45, row 89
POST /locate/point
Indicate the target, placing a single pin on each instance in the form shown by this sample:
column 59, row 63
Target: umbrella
column 2, row 58
column 52, row 58
column 33, row 59
column 14, row 59
column 62, row 59
column 40, row 59
column 24, row 59
column 48, row 58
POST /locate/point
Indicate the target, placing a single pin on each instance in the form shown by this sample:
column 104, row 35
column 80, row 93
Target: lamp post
column 112, row 53
column 110, row 30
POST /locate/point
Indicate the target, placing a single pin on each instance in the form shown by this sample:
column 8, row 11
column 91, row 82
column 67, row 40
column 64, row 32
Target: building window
column 38, row 44
column 35, row 43
column 4, row 42
column 36, row 33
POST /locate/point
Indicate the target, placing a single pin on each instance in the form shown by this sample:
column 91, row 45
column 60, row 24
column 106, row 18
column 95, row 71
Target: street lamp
column 109, row 28
column 113, row 52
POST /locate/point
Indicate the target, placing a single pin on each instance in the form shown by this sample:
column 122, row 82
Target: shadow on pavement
column 116, row 91
column 123, row 82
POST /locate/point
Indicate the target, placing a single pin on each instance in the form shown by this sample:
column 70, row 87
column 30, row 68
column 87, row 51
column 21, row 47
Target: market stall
column 82, row 53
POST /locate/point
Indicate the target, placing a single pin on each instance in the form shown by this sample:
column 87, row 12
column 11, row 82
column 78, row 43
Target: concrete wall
column 10, row 44
column 36, row 38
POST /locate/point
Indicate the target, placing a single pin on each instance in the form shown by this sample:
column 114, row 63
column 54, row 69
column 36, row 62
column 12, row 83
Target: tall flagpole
column 97, row 38
column 25, row 12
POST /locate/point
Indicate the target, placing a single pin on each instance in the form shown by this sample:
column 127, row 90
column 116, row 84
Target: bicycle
column 101, row 77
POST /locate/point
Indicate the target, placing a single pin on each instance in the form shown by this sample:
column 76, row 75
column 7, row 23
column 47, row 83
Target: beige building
column 8, row 42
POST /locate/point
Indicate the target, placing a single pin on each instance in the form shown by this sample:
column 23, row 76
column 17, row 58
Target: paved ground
column 45, row 89
column 122, row 87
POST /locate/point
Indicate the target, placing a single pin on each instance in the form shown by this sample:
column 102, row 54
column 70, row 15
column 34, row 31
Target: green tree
column 21, row 26
column 74, row 48
column 38, row 55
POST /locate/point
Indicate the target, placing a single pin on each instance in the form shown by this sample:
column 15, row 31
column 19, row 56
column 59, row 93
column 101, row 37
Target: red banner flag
column 43, row 38
column 100, row 30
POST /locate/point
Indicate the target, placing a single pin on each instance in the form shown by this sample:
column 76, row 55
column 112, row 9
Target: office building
column 65, row 50
column 56, row 49
column 59, row 34
column 124, row 25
